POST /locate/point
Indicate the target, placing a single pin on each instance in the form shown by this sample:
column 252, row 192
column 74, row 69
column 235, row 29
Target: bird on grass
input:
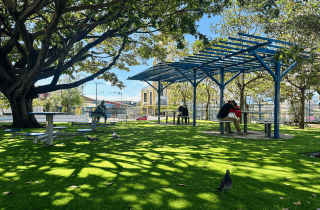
column 226, row 183
column 114, row 135
column 92, row 139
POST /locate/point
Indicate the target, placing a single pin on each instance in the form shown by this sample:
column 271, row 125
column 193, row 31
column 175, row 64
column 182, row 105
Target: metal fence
column 312, row 114
column 134, row 112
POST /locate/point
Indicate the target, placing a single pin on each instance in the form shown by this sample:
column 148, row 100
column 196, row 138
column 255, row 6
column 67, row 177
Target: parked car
column 144, row 117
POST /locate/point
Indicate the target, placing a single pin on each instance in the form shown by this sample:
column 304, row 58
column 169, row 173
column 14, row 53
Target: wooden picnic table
column 245, row 119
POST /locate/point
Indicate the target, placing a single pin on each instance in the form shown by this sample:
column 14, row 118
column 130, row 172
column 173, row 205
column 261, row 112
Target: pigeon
column 226, row 183
column 92, row 139
column 114, row 135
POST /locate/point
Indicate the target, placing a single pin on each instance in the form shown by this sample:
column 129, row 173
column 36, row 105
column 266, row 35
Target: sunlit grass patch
column 144, row 168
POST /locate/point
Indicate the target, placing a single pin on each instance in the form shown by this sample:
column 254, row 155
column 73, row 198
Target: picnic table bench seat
column 223, row 125
column 80, row 124
column 37, row 136
column 182, row 119
column 267, row 127
column 13, row 131
column 60, row 127
column 84, row 131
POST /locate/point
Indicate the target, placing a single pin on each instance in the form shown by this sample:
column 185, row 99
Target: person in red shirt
column 224, row 112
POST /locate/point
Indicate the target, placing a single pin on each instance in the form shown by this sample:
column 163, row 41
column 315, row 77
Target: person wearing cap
column 223, row 116
column 103, row 109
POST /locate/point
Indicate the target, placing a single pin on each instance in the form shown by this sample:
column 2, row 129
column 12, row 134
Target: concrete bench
column 13, row 131
column 37, row 136
column 81, row 124
column 60, row 128
column 182, row 117
column 267, row 127
column 84, row 131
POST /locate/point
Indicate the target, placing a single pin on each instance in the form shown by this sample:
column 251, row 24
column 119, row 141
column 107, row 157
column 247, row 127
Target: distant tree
column 181, row 92
column 206, row 90
column 237, row 19
column 4, row 102
column 296, row 23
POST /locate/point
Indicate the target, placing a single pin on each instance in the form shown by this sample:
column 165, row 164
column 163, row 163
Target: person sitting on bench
column 101, row 107
column 223, row 116
column 183, row 111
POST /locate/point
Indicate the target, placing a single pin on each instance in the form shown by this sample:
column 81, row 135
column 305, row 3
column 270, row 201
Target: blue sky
column 132, row 91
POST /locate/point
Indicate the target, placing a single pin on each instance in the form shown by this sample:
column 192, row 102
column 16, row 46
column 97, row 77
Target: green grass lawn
column 149, row 157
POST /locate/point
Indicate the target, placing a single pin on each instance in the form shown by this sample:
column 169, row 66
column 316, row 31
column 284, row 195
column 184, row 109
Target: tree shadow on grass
column 154, row 157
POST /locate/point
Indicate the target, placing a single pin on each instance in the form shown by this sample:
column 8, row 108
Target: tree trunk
column 20, row 105
column 242, row 101
column 302, row 107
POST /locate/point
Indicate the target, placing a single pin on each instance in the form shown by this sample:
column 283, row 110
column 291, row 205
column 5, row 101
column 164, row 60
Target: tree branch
column 4, row 75
column 254, row 79
column 287, row 78
column 92, row 6
column 30, row 10
column 48, row 88
column 59, row 7
column 11, row 42
column 51, row 71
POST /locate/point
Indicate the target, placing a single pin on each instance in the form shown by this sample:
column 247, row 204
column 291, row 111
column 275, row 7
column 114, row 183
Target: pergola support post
column 194, row 96
column 276, row 114
column 221, row 86
column 159, row 91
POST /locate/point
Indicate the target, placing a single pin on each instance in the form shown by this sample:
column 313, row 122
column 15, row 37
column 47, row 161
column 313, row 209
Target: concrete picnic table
column 49, row 123
column 94, row 119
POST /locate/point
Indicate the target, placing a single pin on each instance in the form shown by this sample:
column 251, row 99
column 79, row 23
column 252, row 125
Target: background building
column 149, row 99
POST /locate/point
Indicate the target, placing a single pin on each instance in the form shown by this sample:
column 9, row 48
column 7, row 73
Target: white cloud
column 108, row 83
column 143, row 83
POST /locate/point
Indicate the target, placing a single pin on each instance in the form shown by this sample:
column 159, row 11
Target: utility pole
column 120, row 93
column 97, row 92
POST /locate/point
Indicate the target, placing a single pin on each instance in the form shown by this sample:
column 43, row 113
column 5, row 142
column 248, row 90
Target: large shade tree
column 48, row 38
column 298, row 22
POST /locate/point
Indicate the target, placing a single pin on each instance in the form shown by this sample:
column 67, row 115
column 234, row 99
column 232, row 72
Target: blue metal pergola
column 237, row 55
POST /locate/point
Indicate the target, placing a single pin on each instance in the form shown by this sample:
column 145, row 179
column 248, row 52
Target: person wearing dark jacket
column 183, row 111
column 223, row 116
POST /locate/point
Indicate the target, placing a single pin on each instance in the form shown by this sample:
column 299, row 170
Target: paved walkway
column 261, row 135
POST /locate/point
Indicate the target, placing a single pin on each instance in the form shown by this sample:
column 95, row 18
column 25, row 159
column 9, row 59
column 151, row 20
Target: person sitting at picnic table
column 183, row 111
column 223, row 116
column 102, row 108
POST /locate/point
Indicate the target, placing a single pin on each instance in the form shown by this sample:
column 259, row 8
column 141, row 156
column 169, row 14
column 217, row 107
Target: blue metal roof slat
column 268, row 39
column 243, row 40
column 224, row 51
column 237, row 44
column 231, row 48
